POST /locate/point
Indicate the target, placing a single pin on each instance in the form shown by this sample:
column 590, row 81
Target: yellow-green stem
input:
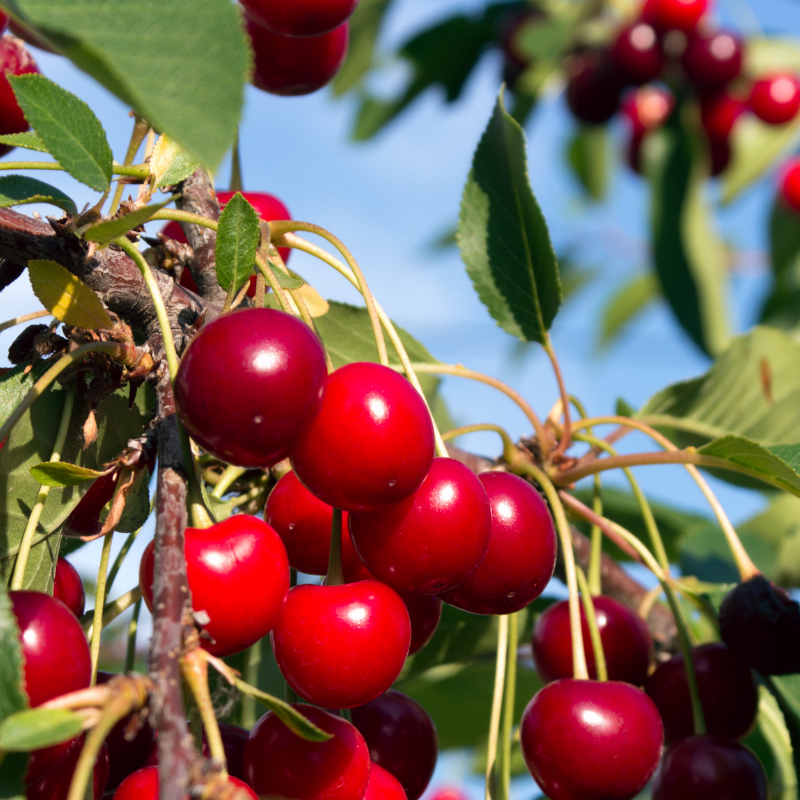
column 111, row 610
column 252, row 661
column 99, row 604
column 227, row 479
column 497, row 701
column 124, row 550
column 508, row 707
column 140, row 129
column 10, row 323
column 596, row 538
column 84, row 768
column 594, row 631
column 271, row 279
column 130, row 171
column 194, row 668
column 567, row 434
column 510, row 451
column 133, row 627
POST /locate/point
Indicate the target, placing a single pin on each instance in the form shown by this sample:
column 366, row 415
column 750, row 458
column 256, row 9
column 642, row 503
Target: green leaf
column 288, row 281
column 237, row 241
column 288, row 715
column 105, row 232
column 503, row 236
column 30, row 140
column 183, row 69
column 60, row 473
column 786, row 690
column 33, row 728
column 782, row 308
column 67, row 297
column 772, row 726
column 587, row 154
column 776, row 531
column 625, row 304
column 690, row 260
column 17, row 190
column 771, row 54
column 68, row 127
column 170, row 163
column 137, row 505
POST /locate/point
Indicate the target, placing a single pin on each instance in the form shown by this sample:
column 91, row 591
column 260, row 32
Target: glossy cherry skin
column 449, row 793
column 434, row 540
column 300, row 17
column 593, row 87
column 250, row 384
column 719, row 112
column 383, row 785
column 278, row 762
column 627, row 644
column 790, row 184
column 144, row 785
column 775, row 99
column 371, row 443
column 342, row 646
column 290, row 66
column 68, row 587
column 43, row 761
column 55, row 785
column 728, row 693
column 637, row 55
column 53, row 645
column 14, row 60
column 589, row 740
column 702, row 767
column 84, row 520
column 522, row 550
column 238, row 574
column 681, row 15
column 401, row 738
column 711, row 62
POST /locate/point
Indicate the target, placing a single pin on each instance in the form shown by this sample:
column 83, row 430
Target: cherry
column 383, row 785
column 55, row 785
column 286, row 65
column 728, row 693
column 43, row 761
column 53, row 646
column 522, row 550
column 681, row 15
column 371, row 443
column 300, row 17
column 700, row 767
column 432, row 541
column 144, row 785
column 3, row 21
column 401, row 738
column 593, row 87
column 342, row 646
column 14, row 60
column 720, row 152
column 238, row 574
column 775, row 99
column 278, row 762
column 627, row 644
column 637, row 55
column 68, row 587
column 646, row 109
column 719, row 112
column 760, row 623
column 84, row 520
column 249, row 385
column 449, row 793
column 711, row 62
column 595, row 741
column 790, row 184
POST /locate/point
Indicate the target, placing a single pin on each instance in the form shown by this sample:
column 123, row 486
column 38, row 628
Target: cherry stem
column 508, row 706
column 594, row 631
column 26, row 543
column 10, row 323
column 140, row 129
column 274, row 284
column 252, row 662
column 110, row 610
column 335, row 576
column 133, row 627
column 124, row 550
column 510, row 451
column 497, row 702
column 567, row 435
column 194, row 668
column 140, row 171
column 100, row 599
column 227, row 479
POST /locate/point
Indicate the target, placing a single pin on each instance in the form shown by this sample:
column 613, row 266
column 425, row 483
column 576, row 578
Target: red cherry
column 728, row 693
column 701, row 767
column 433, row 540
column 720, row 152
column 712, row 61
column 68, row 587
column 588, row 740
column 637, row 55
column 522, row 550
column 627, row 644
column 449, row 793
column 371, row 443
column 144, row 785
column 593, row 87
column 53, row 646
column 55, row 785
column 383, row 785
column 300, row 17
column 790, row 184
column 401, row 738
column 14, row 60
column 43, row 761
column 285, row 65
column 719, row 112
column 681, row 15
column 775, row 99
column 85, row 517
column 249, row 385
column 648, row 108
column 278, row 762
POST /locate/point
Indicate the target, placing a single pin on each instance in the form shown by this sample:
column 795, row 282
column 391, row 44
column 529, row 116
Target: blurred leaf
column 627, row 303
column 60, row 473
column 30, row 140
column 68, row 127
column 289, row 281
column 786, row 690
column 32, row 728
column 170, row 163
column 503, row 235
column 782, row 307
column 289, row 716
column 772, row 726
column 690, row 259
column 545, row 38
column 237, row 240
column 587, row 154
column 67, row 297
column 771, row 54
column 105, row 232
column 189, row 86
column 17, row 190
column 778, row 527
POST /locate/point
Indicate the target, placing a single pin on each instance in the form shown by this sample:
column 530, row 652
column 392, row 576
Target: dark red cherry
column 286, row 65
column 278, row 762
column 300, row 17
column 719, row 112
column 53, row 646
column 250, row 384
column 84, row 520
column 790, row 184
column 342, row 646
column 46, row 759
column 589, row 740
column 55, row 785
column 522, row 550
column 14, row 60
column 144, row 785
column 720, row 152
column 383, row 785
column 728, row 693
column 3, row 21
column 702, row 767
column 648, row 108
column 371, row 443
column 401, row 738
column 681, row 15
column 710, row 62
column 637, row 55
column 775, row 99
column 760, row 623
column 68, row 587
column 627, row 644
column 593, row 87
column 432, row 541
